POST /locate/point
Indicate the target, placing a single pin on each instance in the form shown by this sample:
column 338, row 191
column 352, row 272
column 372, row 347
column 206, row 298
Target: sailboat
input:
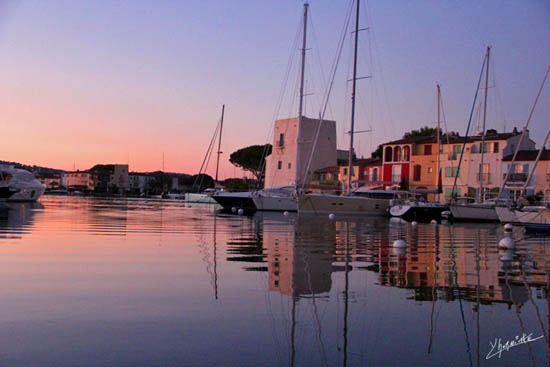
column 465, row 208
column 362, row 200
column 205, row 197
column 283, row 198
column 517, row 210
column 420, row 210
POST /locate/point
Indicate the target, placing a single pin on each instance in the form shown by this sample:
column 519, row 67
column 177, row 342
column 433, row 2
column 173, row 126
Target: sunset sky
column 85, row 82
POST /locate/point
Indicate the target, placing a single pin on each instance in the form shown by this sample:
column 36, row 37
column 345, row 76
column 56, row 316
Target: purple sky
column 84, row 82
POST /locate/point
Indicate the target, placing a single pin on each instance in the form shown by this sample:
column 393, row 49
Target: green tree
column 201, row 182
column 424, row 131
column 251, row 159
column 377, row 153
column 236, row 185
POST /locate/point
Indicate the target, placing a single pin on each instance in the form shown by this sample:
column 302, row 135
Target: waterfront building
column 81, row 180
column 51, row 180
column 139, row 183
column 411, row 162
column 112, row 178
column 369, row 172
column 281, row 163
column 539, row 183
column 496, row 146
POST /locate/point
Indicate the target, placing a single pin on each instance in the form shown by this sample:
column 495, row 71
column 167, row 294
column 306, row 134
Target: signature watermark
column 498, row 347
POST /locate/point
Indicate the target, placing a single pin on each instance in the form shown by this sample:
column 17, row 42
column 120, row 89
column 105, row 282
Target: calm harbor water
column 110, row 282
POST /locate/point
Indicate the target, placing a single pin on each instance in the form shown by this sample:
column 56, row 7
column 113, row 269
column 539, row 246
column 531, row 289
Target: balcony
column 484, row 177
column 515, row 177
column 452, row 156
column 280, row 144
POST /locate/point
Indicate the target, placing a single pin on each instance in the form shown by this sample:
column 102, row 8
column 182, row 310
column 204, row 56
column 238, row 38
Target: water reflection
column 149, row 282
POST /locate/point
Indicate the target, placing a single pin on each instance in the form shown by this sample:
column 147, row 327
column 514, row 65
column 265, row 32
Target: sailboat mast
column 354, row 81
column 219, row 143
column 532, row 172
column 438, row 143
column 301, row 104
column 480, row 177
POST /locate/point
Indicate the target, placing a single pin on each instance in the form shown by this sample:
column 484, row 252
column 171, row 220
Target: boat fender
column 507, row 242
column 399, row 243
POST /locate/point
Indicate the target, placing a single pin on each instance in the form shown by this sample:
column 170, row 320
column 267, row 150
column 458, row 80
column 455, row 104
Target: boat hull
column 238, row 200
column 275, row 203
column 27, row 194
column 538, row 220
column 348, row 205
column 474, row 212
column 199, row 198
column 418, row 213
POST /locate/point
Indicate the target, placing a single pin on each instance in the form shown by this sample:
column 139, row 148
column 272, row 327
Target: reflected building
column 436, row 261
column 297, row 266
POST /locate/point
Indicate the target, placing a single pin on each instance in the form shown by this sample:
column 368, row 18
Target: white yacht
column 362, row 201
column 27, row 186
column 276, row 198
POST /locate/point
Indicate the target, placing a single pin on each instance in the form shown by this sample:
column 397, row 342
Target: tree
column 201, row 182
column 424, row 131
column 236, row 185
column 251, row 159
column 377, row 153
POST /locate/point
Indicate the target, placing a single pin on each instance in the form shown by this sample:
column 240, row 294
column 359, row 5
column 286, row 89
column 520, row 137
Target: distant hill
column 48, row 171
column 34, row 168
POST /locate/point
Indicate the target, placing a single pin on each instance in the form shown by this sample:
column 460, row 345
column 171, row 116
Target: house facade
column 281, row 163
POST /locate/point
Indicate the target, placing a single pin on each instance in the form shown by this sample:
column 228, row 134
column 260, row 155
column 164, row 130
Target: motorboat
column 276, row 198
column 362, row 201
column 6, row 192
column 27, row 187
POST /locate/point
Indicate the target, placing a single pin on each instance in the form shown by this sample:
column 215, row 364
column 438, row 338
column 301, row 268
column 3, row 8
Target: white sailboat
column 512, row 213
column 418, row 209
column 205, row 197
column 361, row 201
column 466, row 208
column 283, row 198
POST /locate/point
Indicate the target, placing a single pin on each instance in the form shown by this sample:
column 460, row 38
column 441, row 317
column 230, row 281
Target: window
column 396, row 173
column 457, row 149
column 281, row 140
column 417, row 172
column 289, row 165
column 345, row 171
column 374, row 174
column 430, row 169
column 406, row 153
column 397, row 154
column 451, row 171
column 427, row 149
column 279, row 165
column 495, row 148
column 388, row 154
